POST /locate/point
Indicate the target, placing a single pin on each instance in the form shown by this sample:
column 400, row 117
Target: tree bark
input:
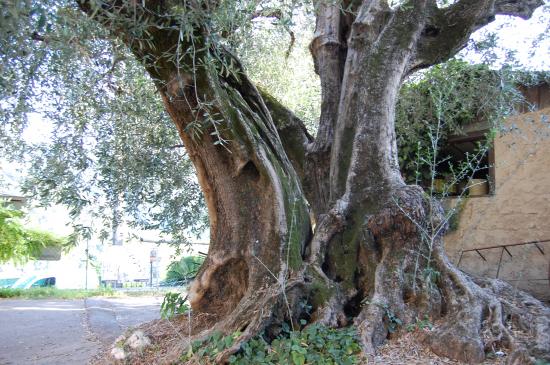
column 258, row 215
column 376, row 252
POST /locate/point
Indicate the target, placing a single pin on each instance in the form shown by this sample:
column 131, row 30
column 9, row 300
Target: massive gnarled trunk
column 325, row 222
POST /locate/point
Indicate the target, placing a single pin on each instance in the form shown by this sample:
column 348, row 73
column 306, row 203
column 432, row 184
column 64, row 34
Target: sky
column 520, row 36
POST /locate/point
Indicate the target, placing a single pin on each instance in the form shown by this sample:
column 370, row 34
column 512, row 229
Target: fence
column 505, row 249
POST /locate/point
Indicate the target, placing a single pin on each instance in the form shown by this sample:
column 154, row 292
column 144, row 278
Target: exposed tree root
column 408, row 279
column 473, row 321
column 486, row 316
column 472, row 317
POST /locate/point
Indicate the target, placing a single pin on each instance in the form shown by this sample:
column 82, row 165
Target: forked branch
column 447, row 30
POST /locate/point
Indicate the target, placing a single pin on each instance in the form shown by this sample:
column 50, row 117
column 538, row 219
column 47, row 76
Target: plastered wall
column 519, row 210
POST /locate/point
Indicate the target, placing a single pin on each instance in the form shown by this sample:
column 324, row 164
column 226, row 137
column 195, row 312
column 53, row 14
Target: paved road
column 66, row 332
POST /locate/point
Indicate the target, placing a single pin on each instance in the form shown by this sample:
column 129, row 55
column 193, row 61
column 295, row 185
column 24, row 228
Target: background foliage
column 181, row 271
column 446, row 99
column 19, row 243
column 284, row 69
column 102, row 144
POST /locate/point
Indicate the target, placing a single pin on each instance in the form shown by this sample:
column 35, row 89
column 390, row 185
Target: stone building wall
column 517, row 212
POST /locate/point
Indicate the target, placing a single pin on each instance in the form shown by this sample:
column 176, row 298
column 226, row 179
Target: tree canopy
column 83, row 116
column 110, row 148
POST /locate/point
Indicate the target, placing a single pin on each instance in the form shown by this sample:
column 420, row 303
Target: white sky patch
column 529, row 39
column 38, row 129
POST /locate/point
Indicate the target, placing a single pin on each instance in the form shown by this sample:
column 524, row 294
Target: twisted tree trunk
column 376, row 252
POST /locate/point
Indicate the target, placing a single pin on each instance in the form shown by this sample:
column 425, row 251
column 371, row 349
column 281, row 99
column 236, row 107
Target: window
column 44, row 282
column 468, row 166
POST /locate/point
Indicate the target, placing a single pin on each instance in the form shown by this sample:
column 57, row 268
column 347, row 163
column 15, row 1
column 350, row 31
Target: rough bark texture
column 375, row 253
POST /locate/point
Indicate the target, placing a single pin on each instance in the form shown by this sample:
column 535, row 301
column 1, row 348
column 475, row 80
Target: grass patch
column 39, row 293
column 52, row 292
column 142, row 293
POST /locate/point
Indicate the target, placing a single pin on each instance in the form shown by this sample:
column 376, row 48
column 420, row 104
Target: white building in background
column 137, row 258
column 133, row 263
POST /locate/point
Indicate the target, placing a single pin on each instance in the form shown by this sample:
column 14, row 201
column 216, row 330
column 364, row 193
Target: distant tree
column 19, row 243
column 97, row 139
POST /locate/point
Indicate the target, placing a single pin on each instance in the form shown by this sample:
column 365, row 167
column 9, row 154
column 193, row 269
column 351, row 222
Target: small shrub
column 420, row 324
column 173, row 304
column 181, row 271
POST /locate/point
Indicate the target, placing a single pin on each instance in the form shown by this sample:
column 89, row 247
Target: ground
column 53, row 331
column 59, row 332
column 407, row 350
column 166, row 336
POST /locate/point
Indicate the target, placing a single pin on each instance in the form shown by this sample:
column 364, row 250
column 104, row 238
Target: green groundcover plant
column 314, row 344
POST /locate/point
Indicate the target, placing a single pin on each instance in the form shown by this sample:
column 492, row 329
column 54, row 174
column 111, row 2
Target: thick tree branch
column 522, row 9
column 126, row 20
column 329, row 50
column 380, row 46
column 448, row 29
column 268, row 13
column 292, row 132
